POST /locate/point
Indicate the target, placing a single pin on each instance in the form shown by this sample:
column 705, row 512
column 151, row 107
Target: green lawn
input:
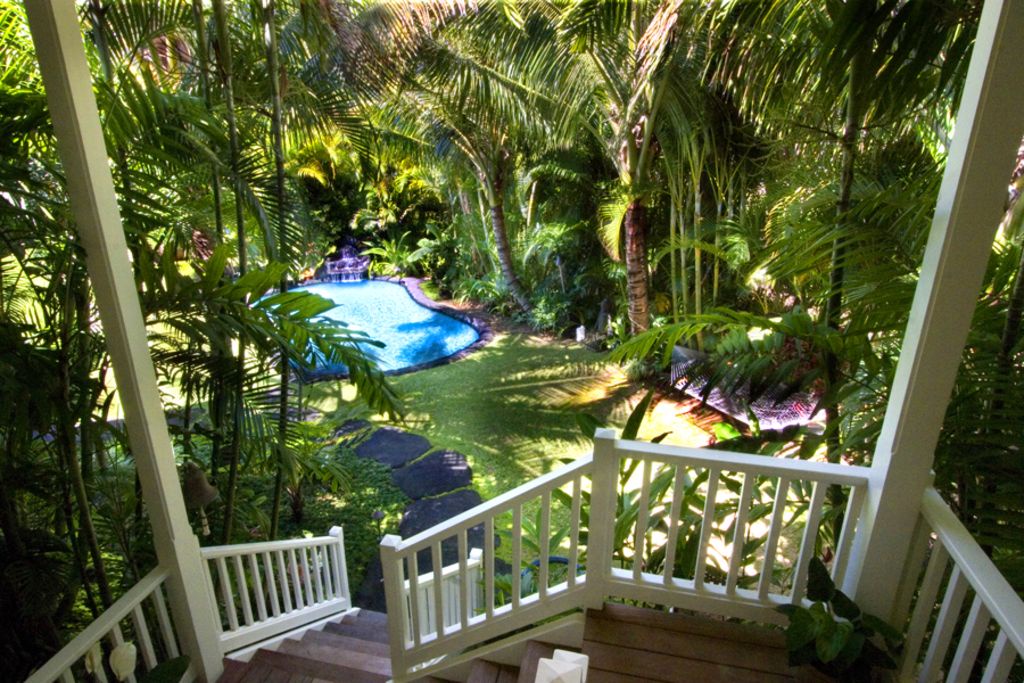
column 511, row 406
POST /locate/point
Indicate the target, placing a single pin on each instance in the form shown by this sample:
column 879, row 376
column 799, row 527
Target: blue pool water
column 411, row 333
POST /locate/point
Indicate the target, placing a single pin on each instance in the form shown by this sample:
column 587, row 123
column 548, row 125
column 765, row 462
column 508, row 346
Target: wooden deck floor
column 627, row 644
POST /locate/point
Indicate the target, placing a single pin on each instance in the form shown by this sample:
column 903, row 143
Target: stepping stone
column 393, row 447
column 435, row 474
column 427, row 512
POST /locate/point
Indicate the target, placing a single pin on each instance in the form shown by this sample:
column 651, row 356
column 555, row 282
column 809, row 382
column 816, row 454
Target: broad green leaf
column 820, row 587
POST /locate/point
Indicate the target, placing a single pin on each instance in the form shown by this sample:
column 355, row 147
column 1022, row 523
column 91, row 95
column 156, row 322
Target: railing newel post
column 341, row 567
column 394, row 594
column 603, row 494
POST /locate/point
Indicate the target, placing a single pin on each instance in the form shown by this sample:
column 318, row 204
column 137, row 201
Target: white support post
column 62, row 61
column 399, row 620
column 973, row 192
column 601, row 531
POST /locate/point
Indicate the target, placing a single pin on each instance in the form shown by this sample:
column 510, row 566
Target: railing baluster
column 642, row 518
column 268, row 572
column 945, row 624
column 544, row 543
column 143, row 637
column 306, row 579
column 970, row 642
column 923, row 609
column 318, row 580
column 706, row 526
column 163, row 620
column 489, row 566
column 814, row 514
column 674, row 514
column 282, row 576
column 296, row 583
column 739, row 536
column 854, row 505
column 1003, row 656
column 257, row 588
column 243, row 590
column 463, row 580
column 517, row 555
column 574, row 531
column 226, row 593
column 416, row 622
column 435, row 560
column 778, row 513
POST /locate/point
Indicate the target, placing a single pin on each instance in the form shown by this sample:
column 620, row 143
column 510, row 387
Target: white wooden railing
column 451, row 591
column 140, row 617
column 954, row 639
column 279, row 586
column 662, row 524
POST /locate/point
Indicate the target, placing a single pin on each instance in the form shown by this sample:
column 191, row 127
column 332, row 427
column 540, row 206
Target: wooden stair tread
column 328, row 654
column 366, row 616
column 484, row 671
column 686, row 645
column 656, row 666
column 535, row 650
column 365, row 626
column 321, row 670
column 685, row 623
column 340, row 642
column 234, row 670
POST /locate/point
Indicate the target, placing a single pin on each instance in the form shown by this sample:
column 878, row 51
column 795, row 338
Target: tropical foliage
column 753, row 179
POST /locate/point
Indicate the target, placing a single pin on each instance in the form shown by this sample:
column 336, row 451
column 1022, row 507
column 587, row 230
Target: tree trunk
column 837, row 274
column 496, row 198
column 226, row 73
column 636, row 267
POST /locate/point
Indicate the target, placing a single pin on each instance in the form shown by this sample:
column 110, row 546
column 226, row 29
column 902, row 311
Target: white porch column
column 58, row 41
column 988, row 131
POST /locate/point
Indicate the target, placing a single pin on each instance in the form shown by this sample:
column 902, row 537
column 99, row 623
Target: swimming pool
column 412, row 334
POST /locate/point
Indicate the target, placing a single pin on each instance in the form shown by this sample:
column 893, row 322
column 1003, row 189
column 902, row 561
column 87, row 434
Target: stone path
column 436, row 482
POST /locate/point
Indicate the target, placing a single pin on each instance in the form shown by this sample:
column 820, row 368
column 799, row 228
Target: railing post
column 967, row 212
column 600, row 533
column 57, row 36
column 394, row 595
column 342, row 567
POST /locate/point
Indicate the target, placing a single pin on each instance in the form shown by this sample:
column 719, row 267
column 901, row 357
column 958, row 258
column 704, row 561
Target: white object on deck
column 576, row 658
column 558, row 671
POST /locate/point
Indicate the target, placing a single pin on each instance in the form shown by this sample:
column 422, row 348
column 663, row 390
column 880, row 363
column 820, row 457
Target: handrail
column 808, row 470
column 520, row 494
column 1002, row 601
column 80, row 645
column 266, row 588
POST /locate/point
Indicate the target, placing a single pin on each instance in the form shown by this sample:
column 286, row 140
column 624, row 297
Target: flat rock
column 433, row 475
column 427, row 512
column 393, row 446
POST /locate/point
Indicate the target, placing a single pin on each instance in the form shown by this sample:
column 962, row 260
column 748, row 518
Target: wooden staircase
column 353, row 650
column 624, row 644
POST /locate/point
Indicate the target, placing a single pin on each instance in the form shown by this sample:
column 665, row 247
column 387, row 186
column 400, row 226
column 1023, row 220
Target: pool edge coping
column 485, row 334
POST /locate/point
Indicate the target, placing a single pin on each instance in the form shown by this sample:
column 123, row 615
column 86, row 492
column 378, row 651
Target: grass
column 511, row 407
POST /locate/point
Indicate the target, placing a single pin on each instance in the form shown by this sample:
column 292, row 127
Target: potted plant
column 835, row 636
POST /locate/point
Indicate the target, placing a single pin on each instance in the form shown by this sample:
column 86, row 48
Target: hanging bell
column 198, row 493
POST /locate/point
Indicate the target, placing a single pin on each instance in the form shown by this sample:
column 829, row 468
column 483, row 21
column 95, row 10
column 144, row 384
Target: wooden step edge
column 331, row 655
column 341, row 642
column 687, row 623
column 320, row 670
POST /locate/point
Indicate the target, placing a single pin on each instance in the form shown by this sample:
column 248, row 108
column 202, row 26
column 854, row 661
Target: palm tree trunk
column 636, row 266
column 837, row 274
column 674, row 280
column 203, row 57
column 277, row 131
column 496, row 199
column 698, row 265
column 226, row 73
